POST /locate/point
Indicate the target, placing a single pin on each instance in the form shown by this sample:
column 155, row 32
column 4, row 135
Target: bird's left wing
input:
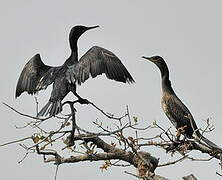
column 179, row 114
column 97, row 61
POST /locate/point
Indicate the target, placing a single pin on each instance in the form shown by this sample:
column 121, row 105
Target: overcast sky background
column 187, row 34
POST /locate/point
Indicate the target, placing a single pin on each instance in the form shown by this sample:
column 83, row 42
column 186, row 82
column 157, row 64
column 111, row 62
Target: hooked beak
column 92, row 27
column 148, row 58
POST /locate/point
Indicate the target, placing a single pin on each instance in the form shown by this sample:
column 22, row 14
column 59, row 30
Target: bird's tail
column 208, row 142
column 51, row 108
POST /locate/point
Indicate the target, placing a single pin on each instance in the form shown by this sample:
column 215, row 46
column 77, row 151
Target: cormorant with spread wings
column 36, row 75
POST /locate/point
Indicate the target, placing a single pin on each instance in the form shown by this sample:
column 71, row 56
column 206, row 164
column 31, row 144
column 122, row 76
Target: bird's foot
column 83, row 101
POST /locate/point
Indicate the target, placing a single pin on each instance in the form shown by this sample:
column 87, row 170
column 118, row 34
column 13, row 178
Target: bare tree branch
column 16, row 141
column 122, row 148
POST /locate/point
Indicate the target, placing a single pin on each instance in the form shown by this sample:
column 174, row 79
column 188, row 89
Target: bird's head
column 77, row 31
column 161, row 64
column 158, row 60
column 154, row 59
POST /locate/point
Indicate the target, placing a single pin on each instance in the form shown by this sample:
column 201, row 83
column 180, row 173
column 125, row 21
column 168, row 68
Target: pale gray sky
column 187, row 34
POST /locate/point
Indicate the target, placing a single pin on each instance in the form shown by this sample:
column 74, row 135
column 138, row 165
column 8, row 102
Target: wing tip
column 18, row 92
column 17, row 95
column 130, row 80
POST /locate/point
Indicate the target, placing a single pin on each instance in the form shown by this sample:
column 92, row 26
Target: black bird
column 173, row 107
column 36, row 75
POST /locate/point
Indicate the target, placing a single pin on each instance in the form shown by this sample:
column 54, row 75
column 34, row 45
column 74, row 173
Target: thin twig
column 106, row 114
column 26, row 154
column 217, row 173
column 37, row 104
column 22, row 114
column 196, row 159
column 56, row 172
column 16, row 141
column 173, row 162
column 141, row 129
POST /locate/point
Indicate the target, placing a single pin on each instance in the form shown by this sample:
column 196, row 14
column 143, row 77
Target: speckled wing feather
column 176, row 111
column 97, row 61
column 31, row 75
column 178, row 114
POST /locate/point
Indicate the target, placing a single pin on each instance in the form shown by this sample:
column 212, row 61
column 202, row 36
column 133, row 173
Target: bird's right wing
column 34, row 71
column 179, row 114
column 97, row 61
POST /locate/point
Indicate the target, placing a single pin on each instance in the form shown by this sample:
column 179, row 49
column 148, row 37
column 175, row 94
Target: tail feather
column 44, row 110
column 58, row 107
column 208, row 142
column 51, row 108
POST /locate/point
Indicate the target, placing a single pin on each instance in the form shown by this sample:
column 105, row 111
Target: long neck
column 74, row 51
column 166, row 84
column 73, row 43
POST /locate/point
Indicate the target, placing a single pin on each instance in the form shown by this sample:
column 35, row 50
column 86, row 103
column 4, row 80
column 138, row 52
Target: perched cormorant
column 173, row 107
column 36, row 75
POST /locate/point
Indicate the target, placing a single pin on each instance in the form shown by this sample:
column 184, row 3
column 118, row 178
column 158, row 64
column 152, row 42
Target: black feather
column 31, row 74
column 37, row 76
column 98, row 60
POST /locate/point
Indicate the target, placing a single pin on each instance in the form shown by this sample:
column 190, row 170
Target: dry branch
column 128, row 148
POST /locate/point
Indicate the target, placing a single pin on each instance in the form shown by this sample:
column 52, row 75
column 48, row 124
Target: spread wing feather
column 97, row 61
column 32, row 73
